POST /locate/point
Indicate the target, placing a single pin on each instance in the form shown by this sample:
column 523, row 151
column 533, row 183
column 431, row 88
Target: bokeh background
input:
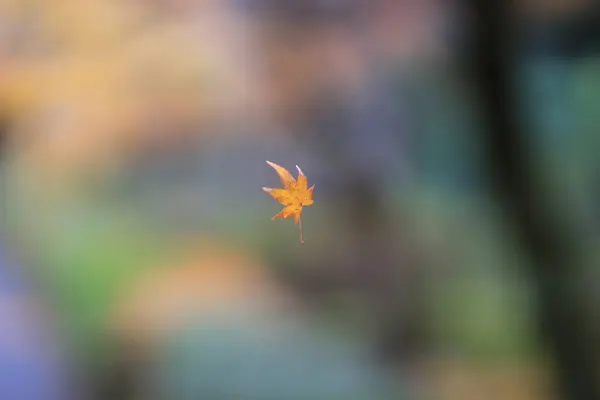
column 137, row 255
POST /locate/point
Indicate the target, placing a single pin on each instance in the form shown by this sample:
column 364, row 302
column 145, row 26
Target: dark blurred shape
column 574, row 35
column 547, row 238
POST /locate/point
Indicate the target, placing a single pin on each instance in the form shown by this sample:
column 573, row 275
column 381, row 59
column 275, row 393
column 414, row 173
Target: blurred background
column 452, row 249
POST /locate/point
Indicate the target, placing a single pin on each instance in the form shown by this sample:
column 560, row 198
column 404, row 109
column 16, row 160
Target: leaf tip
column 300, row 171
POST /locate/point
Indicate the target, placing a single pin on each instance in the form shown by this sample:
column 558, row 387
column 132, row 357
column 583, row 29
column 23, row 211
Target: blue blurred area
column 31, row 364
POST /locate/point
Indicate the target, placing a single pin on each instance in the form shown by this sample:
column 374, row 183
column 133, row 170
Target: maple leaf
column 294, row 195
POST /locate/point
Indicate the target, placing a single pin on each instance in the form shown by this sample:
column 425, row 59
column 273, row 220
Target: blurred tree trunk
column 563, row 322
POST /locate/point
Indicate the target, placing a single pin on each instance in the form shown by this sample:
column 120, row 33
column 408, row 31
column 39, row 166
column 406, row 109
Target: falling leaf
column 294, row 195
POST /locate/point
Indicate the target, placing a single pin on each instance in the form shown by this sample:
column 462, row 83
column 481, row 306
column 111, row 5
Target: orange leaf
column 294, row 195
